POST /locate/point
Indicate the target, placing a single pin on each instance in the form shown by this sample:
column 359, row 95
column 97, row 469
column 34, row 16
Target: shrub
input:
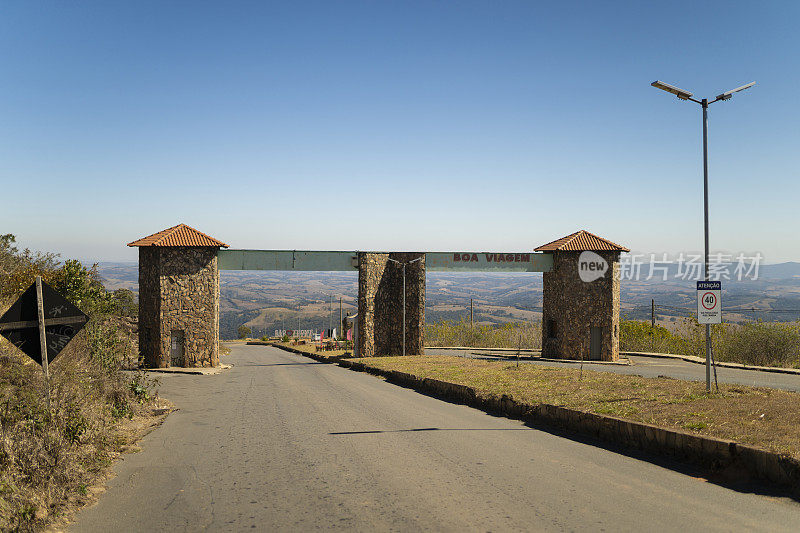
column 640, row 336
column 526, row 335
column 18, row 269
column 51, row 454
column 761, row 343
column 82, row 287
column 754, row 343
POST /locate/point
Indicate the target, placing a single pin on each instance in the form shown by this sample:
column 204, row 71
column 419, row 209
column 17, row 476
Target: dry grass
column 51, row 453
column 527, row 335
column 767, row 418
column 49, row 459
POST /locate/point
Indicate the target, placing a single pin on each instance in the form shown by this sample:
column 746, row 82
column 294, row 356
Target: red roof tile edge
column 179, row 235
column 581, row 241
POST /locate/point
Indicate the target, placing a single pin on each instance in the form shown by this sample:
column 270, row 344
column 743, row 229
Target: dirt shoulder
column 127, row 434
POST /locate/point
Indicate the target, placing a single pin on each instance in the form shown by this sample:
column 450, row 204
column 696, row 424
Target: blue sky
column 397, row 125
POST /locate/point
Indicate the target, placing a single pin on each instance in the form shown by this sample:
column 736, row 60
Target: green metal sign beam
column 488, row 262
column 332, row 261
column 287, row 260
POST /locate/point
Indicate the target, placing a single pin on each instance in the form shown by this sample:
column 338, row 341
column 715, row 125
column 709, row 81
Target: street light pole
column 704, row 103
column 686, row 95
column 404, row 309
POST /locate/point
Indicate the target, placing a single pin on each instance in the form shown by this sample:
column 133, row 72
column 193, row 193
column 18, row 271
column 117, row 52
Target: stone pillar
column 380, row 299
column 572, row 307
column 179, row 292
column 150, row 309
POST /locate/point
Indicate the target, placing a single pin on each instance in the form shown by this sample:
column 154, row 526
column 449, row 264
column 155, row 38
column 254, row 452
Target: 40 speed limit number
column 709, row 302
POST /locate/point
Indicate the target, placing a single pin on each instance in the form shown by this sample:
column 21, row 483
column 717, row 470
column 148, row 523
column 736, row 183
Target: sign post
column 709, row 311
column 42, row 336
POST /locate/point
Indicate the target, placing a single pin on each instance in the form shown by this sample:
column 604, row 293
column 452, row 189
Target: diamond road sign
column 20, row 324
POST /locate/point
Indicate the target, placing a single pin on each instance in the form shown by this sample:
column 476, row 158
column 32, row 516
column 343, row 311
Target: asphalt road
column 652, row 367
column 283, row 443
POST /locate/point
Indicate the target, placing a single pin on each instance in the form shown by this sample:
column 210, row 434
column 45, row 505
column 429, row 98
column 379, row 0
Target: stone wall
column 380, row 297
column 572, row 307
column 149, row 307
column 187, row 300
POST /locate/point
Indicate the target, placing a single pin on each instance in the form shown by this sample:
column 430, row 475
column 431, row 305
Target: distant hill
column 781, row 271
column 120, row 275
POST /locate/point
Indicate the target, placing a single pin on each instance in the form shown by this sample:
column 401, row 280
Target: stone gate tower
column 580, row 315
column 178, row 298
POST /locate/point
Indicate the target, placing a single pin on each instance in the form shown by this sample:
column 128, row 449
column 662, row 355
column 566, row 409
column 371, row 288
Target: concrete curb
column 724, row 364
column 682, row 445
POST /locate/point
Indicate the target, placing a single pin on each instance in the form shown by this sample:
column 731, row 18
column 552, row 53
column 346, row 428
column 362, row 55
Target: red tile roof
column 581, row 241
column 180, row 235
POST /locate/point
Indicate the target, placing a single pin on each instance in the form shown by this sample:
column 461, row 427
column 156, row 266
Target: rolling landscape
column 266, row 301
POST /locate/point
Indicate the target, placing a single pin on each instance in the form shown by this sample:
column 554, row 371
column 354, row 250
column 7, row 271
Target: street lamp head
column 680, row 93
column 727, row 95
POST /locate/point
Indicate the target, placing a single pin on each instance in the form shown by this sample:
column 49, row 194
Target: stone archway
column 179, row 291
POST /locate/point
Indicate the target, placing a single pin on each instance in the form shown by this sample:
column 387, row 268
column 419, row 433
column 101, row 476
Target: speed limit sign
column 709, row 302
